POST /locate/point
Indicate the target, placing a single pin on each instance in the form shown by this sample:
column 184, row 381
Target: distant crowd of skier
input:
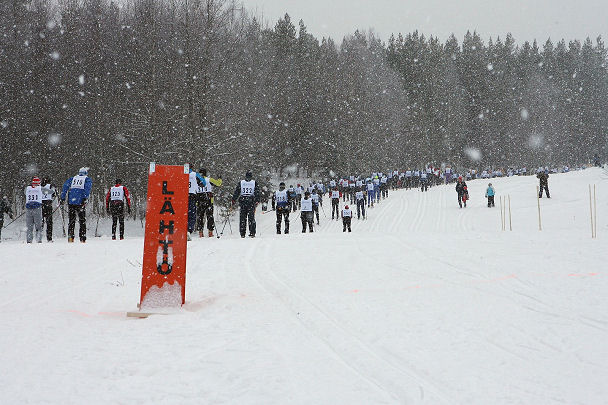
column 358, row 191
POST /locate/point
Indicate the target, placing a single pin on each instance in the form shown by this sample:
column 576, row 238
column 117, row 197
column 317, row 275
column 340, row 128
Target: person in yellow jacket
column 205, row 203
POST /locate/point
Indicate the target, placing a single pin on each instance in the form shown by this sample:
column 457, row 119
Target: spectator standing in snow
column 490, row 195
column 543, row 178
column 461, row 189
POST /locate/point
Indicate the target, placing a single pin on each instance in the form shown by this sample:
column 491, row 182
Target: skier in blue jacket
column 77, row 190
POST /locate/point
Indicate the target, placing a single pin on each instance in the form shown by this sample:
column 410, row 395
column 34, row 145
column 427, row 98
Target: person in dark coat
column 543, row 178
column 5, row 208
column 461, row 189
column 248, row 195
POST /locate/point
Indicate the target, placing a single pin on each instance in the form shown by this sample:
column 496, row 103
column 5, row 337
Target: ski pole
column 16, row 218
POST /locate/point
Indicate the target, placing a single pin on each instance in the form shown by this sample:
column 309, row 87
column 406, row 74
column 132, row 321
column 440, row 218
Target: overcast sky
column 525, row 19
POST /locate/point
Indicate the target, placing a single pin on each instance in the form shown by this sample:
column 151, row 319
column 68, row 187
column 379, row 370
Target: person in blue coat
column 490, row 195
column 77, row 190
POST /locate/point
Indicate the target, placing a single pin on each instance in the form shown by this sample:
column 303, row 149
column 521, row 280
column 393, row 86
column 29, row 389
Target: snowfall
column 423, row 303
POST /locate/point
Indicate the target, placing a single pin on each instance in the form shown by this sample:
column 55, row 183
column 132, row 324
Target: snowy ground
column 423, row 303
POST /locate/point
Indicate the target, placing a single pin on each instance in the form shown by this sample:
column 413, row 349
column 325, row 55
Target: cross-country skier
column 360, row 197
column 195, row 182
column 316, row 201
column 5, row 208
column 115, row 206
column 33, row 210
column 205, row 203
column 306, row 213
column 424, row 181
column 370, row 193
column 47, row 207
column 299, row 193
column 347, row 216
column 281, row 203
column 77, row 190
column 248, row 196
column 335, row 202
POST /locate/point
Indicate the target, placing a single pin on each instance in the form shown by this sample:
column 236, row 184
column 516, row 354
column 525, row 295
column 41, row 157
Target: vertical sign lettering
column 163, row 281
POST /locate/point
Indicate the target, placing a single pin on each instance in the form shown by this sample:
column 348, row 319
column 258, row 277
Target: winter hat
column 203, row 171
column 248, row 175
column 83, row 171
column 118, row 181
column 490, row 184
column 35, row 181
column 346, row 207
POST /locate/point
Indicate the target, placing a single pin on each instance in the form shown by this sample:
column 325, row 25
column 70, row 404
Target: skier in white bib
column 248, row 196
column 115, row 206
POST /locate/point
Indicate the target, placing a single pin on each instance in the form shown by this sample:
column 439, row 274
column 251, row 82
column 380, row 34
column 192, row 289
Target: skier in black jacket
column 461, row 189
column 5, row 208
column 248, row 196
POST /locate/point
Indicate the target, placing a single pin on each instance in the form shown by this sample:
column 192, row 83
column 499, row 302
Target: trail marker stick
column 510, row 223
column 540, row 227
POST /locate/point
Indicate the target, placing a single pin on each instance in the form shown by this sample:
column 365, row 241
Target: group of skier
column 360, row 191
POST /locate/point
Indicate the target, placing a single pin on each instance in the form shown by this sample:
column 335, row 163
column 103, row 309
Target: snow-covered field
column 422, row 303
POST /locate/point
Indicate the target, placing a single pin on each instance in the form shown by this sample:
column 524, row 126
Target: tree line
column 114, row 86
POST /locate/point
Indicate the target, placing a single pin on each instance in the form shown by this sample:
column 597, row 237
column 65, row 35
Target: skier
column 384, row 187
column 292, row 195
column 306, row 213
column 299, row 193
column 376, row 182
column 77, row 190
column 424, row 183
column 316, row 201
column 461, row 189
column 347, row 216
column 5, row 208
column 33, row 210
column 370, row 193
column 360, row 197
column 281, row 203
column 205, row 203
column 490, row 195
column 195, row 181
column 335, row 202
column 408, row 179
column 47, row 207
column 116, row 207
column 543, row 178
column 248, row 196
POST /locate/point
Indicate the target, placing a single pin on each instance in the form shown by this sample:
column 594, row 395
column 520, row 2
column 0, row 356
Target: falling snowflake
column 55, row 55
column 81, row 80
column 524, row 114
column 54, row 139
column 490, row 67
column 4, row 124
column 473, row 153
column 535, row 141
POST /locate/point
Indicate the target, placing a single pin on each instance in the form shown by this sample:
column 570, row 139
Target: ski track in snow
column 423, row 302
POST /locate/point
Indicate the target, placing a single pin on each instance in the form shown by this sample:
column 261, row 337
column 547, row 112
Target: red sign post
column 163, row 282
